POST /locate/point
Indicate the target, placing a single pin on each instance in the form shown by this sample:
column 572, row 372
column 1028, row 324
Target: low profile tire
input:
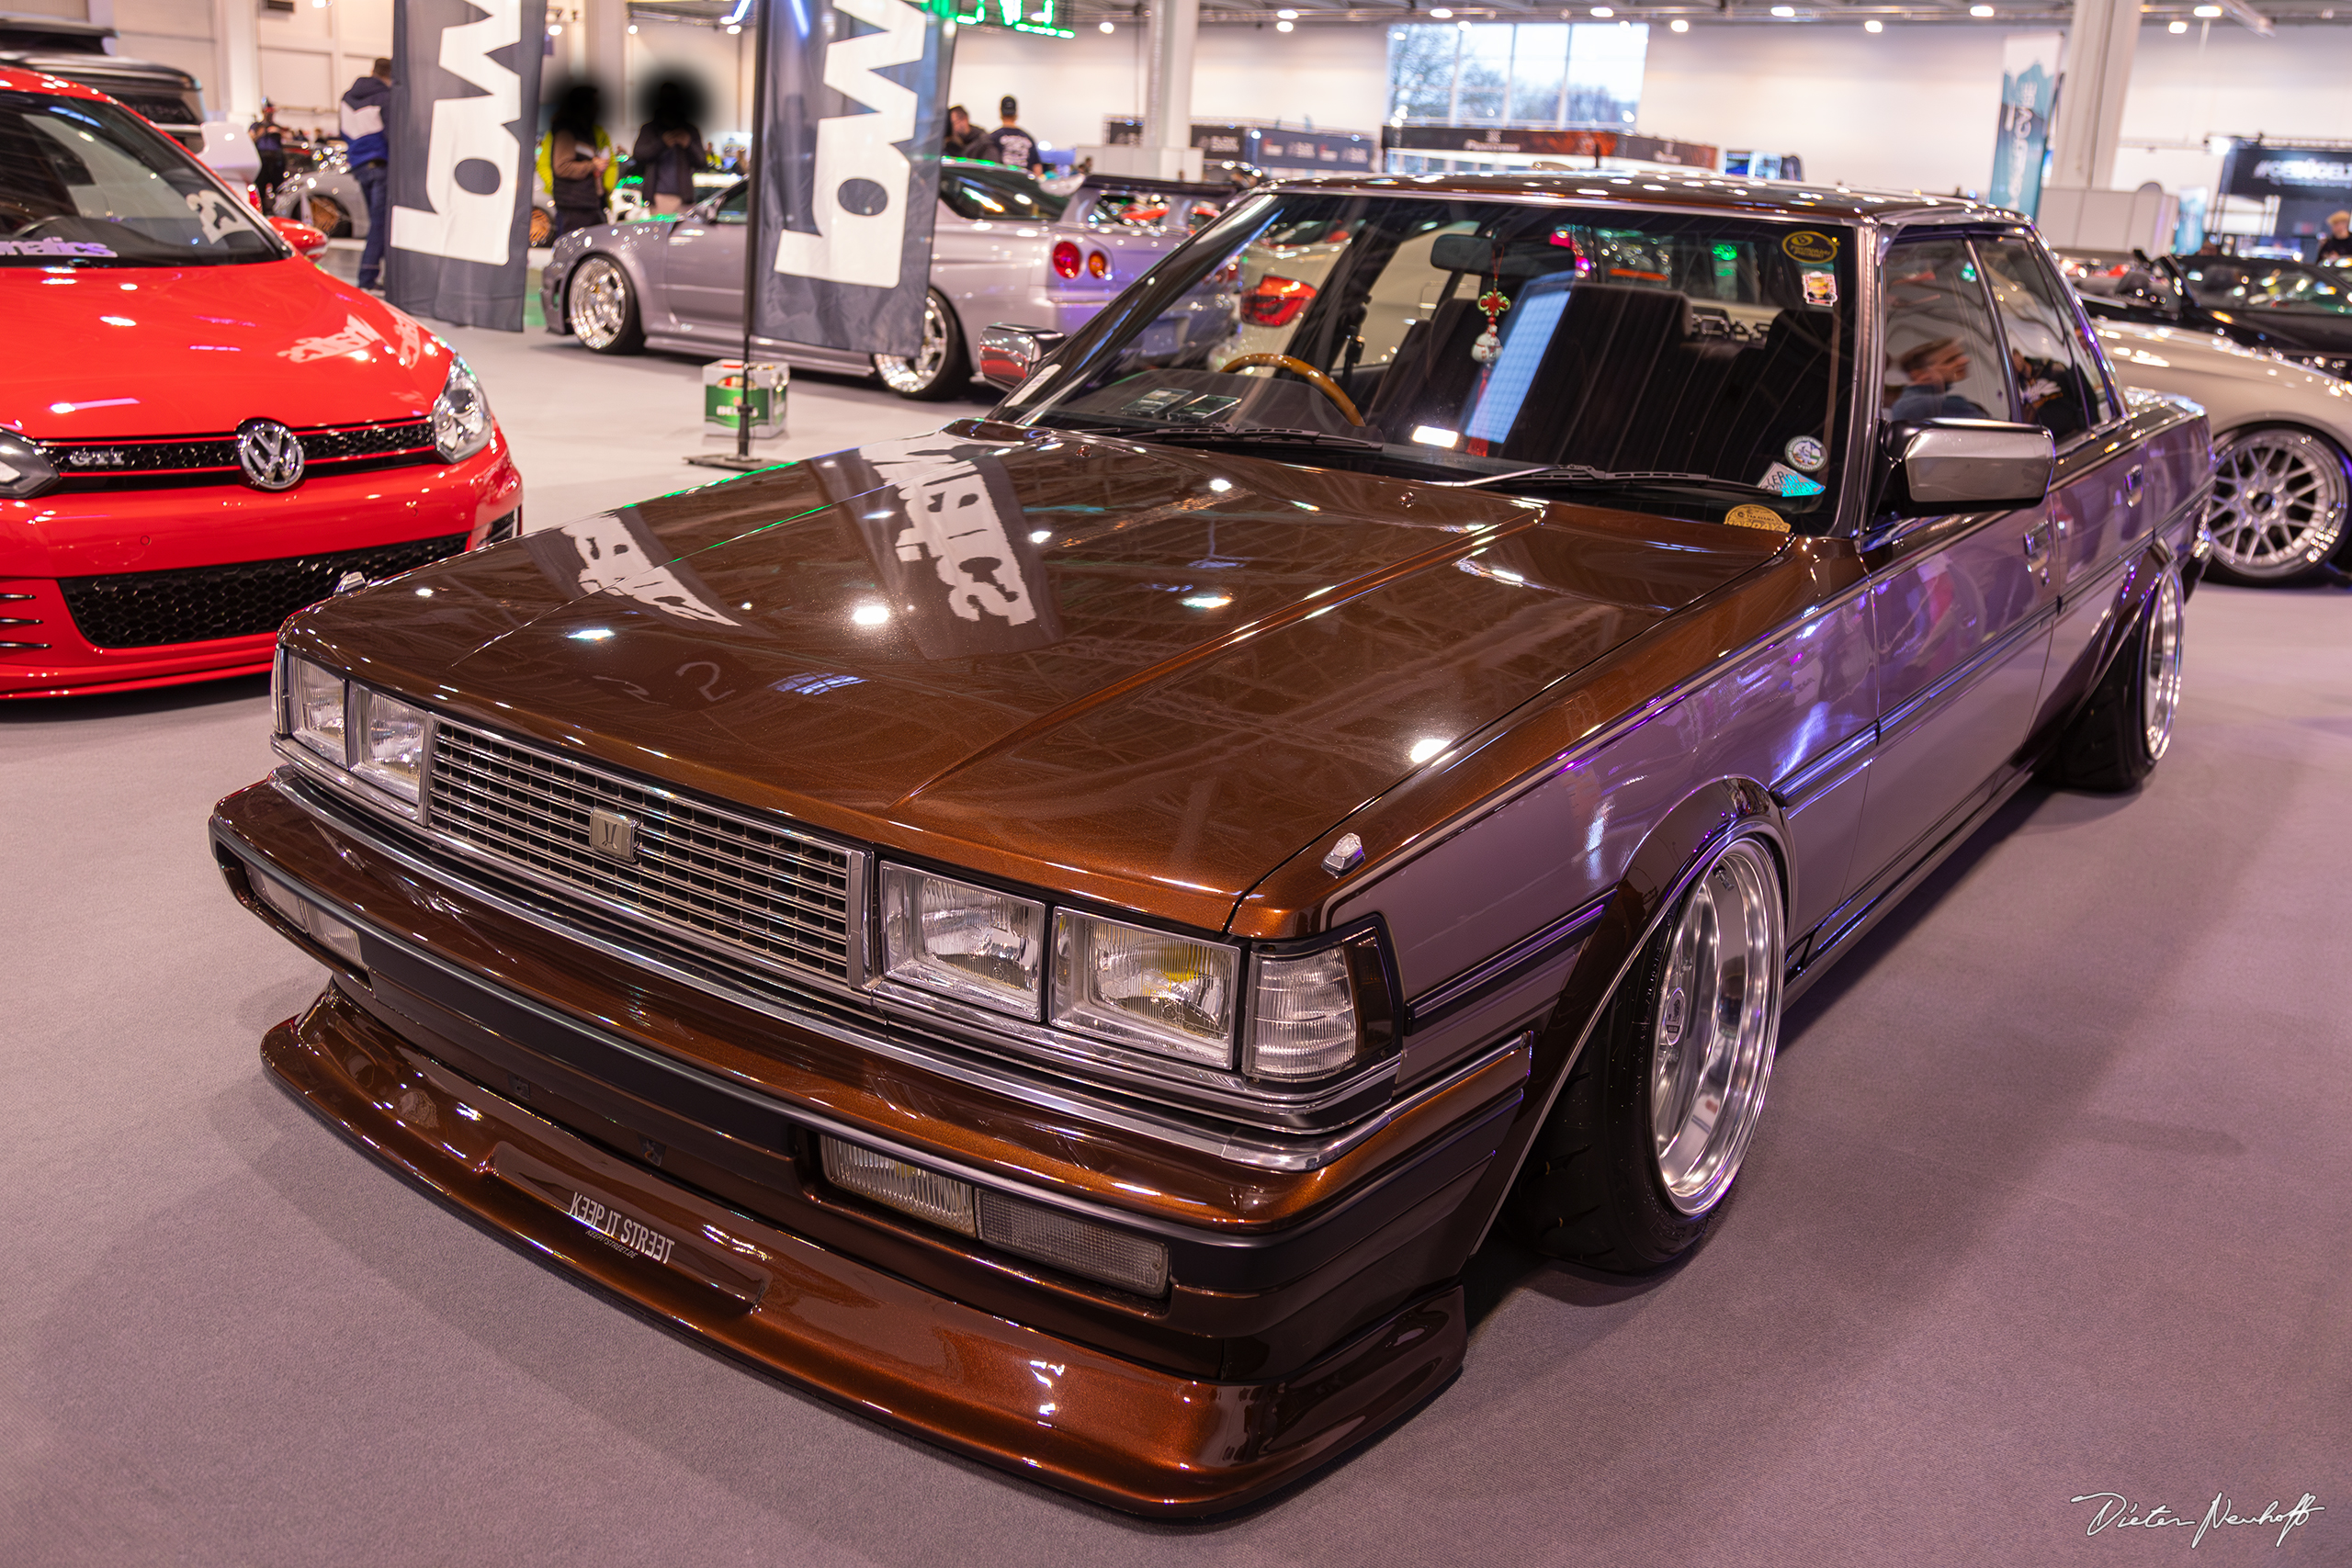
column 2124, row 731
column 599, row 304
column 1641, row 1149
column 2279, row 498
column 327, row 216
column 939, row 367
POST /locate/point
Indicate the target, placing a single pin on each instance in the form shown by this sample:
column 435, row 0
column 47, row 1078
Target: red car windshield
column 86, row 184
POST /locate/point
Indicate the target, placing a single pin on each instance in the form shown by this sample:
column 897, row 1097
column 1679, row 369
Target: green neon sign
column 1042, row 18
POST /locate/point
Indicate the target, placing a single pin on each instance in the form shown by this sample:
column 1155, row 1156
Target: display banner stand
column 465, row 105
column 741, row 459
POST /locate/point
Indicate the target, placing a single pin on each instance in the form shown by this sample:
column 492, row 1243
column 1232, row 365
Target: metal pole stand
column 741, row 460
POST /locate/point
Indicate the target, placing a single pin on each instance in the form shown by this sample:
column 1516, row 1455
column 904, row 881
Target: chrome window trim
column 1263, row 1150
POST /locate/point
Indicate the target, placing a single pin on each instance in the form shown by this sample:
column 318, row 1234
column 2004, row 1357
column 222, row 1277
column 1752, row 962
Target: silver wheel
column 2279, row 503
column 923, row 374
column 598, row 305
column 1718, row 1024
column 2160, row 665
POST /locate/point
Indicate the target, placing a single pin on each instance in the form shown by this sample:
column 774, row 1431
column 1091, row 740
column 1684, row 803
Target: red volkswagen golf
column 200, row 432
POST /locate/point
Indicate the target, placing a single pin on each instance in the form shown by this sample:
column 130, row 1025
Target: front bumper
column 43, row 651
column 1279, row 1346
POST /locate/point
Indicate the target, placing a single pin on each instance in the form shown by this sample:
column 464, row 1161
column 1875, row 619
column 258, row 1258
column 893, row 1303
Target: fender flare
column 1654, row 879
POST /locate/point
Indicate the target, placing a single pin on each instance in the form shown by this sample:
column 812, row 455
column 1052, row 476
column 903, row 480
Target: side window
column 1944, row 358
column 2059, row 386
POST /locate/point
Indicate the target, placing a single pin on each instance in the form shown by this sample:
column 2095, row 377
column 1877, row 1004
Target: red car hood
column 123, row 353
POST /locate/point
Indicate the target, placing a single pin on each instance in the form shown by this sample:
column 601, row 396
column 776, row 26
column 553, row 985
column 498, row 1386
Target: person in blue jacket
column 364, row 110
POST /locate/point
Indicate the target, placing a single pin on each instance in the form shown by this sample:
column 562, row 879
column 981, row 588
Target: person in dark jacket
column 669, row 150
column 962, row 139
column 364, row 110
column 578, row 154
column 269, row 146
column 1008, row 143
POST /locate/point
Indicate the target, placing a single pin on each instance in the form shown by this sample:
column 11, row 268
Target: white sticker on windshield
column 214, row 213
column 1783, row 480
column 65, row 250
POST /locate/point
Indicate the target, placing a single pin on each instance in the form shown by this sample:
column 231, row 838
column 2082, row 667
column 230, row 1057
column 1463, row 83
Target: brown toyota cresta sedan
column 1064, row 934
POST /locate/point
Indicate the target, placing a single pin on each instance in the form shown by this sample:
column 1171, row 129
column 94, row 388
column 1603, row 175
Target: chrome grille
column 780, row 896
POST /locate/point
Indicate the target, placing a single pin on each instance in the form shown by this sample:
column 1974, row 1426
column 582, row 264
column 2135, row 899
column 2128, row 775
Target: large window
column 1534, row 74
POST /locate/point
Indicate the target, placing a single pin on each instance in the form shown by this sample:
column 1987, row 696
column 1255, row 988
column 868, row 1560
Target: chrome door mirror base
column 1009, row 353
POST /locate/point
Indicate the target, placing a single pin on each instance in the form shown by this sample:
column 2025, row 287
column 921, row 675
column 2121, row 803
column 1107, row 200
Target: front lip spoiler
column 1118, row 1433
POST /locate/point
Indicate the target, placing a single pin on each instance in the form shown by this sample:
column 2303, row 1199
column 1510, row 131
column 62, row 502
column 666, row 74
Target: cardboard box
column 722, row 380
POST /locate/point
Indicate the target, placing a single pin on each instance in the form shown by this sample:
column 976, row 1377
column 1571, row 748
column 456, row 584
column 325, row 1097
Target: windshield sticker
column 355, row 338
column 1156, row 402
column 1201, row 410
column 65, row 250
column 1788, row 481
column 1805, row 452
column 1757, row 517
column 1820, row 287
column 214, row 214
column 1806, row 245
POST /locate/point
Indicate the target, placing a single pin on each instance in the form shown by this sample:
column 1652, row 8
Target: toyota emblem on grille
column 270, row 455
column 611, row 835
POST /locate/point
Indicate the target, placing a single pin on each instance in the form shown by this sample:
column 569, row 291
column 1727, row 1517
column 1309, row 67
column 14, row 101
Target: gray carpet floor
column 2054, row 1198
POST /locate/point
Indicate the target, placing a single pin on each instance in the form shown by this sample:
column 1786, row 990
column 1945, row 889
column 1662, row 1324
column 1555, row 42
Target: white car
column 2282, row 480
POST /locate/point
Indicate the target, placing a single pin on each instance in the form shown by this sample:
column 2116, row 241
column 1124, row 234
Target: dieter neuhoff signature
column 2113, row 1510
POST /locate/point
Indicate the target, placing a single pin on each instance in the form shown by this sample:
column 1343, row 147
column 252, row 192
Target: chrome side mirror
column 1008, row 354
column 1971, row 465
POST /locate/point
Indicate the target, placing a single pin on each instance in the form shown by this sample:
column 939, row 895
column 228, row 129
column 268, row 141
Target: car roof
column 1694, row 188
column 18, row 81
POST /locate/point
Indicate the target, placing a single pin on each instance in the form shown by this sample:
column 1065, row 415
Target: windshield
column 2231, row 282
column 980, row 191
column 85, row 184
column 1690, row 362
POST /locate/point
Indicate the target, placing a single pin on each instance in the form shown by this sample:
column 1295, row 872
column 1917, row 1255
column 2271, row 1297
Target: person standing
column 2337, row 246
column 269, row 146
column 1008, row 143
column 576, row 159
column 669, row 150
column 364, row 108
column 962, row 139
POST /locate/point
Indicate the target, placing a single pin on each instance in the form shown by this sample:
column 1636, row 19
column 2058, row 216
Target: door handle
column 2036, row 550
column 2133, row 483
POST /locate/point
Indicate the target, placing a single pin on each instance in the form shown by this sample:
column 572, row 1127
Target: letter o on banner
column 477, row 177
column 868, row 199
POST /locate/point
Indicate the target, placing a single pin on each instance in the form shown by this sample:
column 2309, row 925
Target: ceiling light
column 1287, row 15
column 1602, row 11
column 1678, row 25
column 1784, row 11
column 1106, row 26
column 2176, row 26
column 555, row 30
column 1873, row 26
column 1281, row 27
column 1442, row 14
column 734, row 29
column 1980, row 10
column 2206, row 13
column 632, row 29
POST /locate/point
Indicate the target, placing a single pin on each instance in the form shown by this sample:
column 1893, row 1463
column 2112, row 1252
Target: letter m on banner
column 848, row 161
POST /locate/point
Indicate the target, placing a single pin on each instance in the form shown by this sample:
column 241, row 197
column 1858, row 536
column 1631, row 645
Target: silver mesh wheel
column 2279, row 503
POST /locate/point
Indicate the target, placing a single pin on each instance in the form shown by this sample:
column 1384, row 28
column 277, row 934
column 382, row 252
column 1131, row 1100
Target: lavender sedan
column 1005, row 249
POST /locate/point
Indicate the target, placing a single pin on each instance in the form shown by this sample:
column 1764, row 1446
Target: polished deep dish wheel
column 1718, row 1021
column 2279, row 503
column 2160, row 667
column 602, row 308
column 937, row 368
column 1648, row 1137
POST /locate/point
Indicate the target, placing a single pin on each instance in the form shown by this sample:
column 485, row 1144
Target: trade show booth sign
column 465, row 97
column 2028, row 93
column 848, row 166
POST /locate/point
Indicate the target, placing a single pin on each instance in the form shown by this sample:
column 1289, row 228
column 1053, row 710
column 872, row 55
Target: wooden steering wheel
column 1316, row 378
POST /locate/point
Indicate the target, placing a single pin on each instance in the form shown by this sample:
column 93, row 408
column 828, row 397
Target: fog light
column 309, row 918
column 1068, row 1242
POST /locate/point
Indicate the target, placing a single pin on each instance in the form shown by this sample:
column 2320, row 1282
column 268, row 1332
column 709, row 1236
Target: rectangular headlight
column 315, row 709
column 962, row 941
column 1145, row 988
column 388, row 743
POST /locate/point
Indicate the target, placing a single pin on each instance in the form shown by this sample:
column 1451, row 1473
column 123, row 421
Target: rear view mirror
column 1971, row 465
column 1008, row 354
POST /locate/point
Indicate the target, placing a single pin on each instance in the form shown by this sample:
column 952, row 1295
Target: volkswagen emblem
column 270, row 455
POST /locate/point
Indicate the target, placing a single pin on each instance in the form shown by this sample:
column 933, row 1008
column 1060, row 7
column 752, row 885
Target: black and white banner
column 465, row 105
column 848, row 161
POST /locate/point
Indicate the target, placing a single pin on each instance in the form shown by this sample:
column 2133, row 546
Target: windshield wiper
column 1585, row 474
column 1270, row 435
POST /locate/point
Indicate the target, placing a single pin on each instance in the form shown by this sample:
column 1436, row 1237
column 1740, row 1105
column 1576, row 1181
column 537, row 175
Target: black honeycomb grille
column 212, row 460
column 146, row 609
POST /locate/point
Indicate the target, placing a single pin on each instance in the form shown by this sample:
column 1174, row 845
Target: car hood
column 1142, row 674
column 2236, row 382
column 129, row 351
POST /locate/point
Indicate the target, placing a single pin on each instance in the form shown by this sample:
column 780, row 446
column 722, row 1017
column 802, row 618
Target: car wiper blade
column 1255, row 434
column 1585, row 474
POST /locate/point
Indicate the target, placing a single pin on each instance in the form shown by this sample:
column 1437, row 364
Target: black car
column 2302, row 311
